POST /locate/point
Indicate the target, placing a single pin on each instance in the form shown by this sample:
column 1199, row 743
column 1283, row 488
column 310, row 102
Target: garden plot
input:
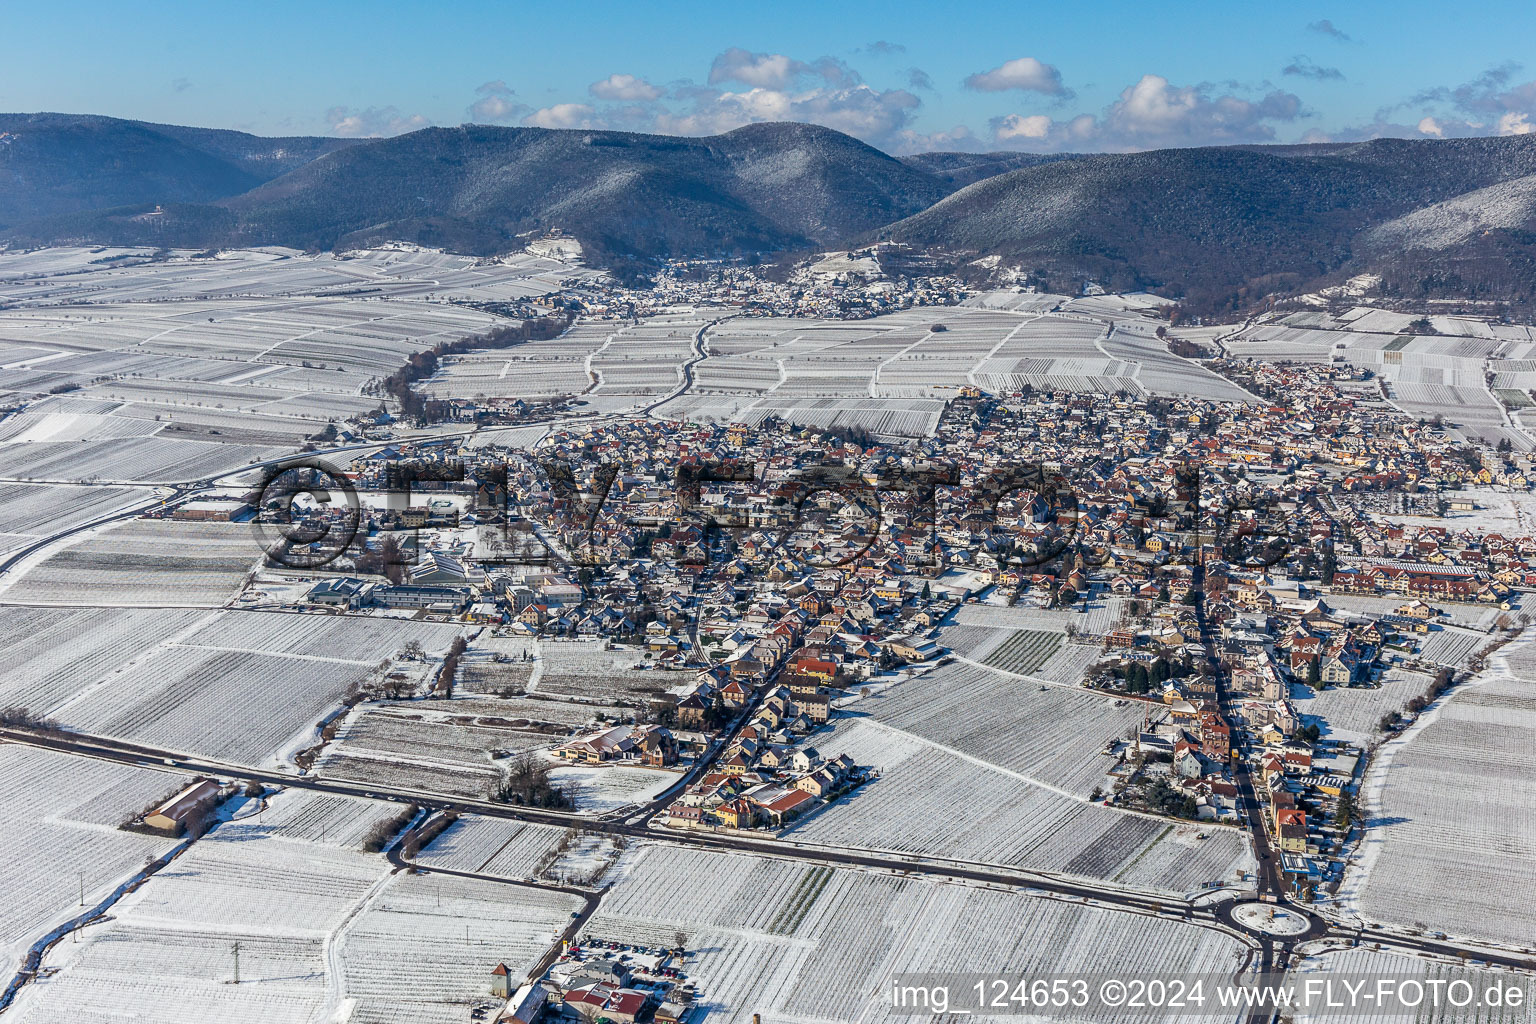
column 142, row 562
column 497, row 666
column 801, row 944
column 59, row 840
column 494, row 846
column 237, row 706
column 590, row 670
column 53, row 654
column 440, row 746
column 1454, row 798
column 932, row 801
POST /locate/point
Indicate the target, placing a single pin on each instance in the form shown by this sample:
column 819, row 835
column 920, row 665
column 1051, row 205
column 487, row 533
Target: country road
column 1089, row 891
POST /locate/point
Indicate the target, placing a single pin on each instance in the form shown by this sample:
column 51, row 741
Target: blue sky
column 903, row 76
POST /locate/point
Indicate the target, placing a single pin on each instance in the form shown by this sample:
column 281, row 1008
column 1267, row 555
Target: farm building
column 175, row 813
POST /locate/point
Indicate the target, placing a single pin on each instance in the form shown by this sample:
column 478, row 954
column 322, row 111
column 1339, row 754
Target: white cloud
column 1493, row 103
column 876, row 117
column 625, row 88
column 372, row 122
column 1153, row 113
column 1017, row 126
column 1516, row 123
column 565, row 115
column 959, row 138
column 1023, row 73
column 777, row 71
column 764, row 70
column 496, row 105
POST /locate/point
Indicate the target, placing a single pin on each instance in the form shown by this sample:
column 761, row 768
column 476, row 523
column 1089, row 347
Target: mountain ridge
column 1219, row 227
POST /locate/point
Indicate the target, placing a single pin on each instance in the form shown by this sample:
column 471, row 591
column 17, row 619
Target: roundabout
column 1273, row 920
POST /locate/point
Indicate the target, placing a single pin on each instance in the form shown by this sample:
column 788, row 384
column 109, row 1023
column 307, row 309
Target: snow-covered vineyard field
column 1351, row 713
column 31, row 511
column 598, row 790
column 52, row 654
column 1052, row 735
column 890, row 374
column 801, row 944
column 1424, row 375
column 59, row 840
column 236, row 706
column 532, row 371
column 1373, row 963
column 326, row 932
column 142, row 562
column 493, row 846
column 1025, row 651
column 1451, row 645
column 1099, row 616
column 588, row 671
column 238, row 686
column 423, row 948
column 125, row 274
column 342, row 637
column 436, row 746
column 936, row 801
column 1451, row 809
column 180, row 391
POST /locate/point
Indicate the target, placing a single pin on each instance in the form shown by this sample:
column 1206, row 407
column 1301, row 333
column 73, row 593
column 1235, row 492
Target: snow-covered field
column 31, row 511
column 438, row 746
column 60, row 844
column 142, row 563
column 592, row 671
column 325, row 932
column 1451, row 811
column 599, row 789
column 1353, row 712
column 802, row 944
column 493, row 846
column 933, row 800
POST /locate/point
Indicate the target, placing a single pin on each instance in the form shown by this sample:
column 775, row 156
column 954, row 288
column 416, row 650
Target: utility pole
column 237, row 963
column 82, row 888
